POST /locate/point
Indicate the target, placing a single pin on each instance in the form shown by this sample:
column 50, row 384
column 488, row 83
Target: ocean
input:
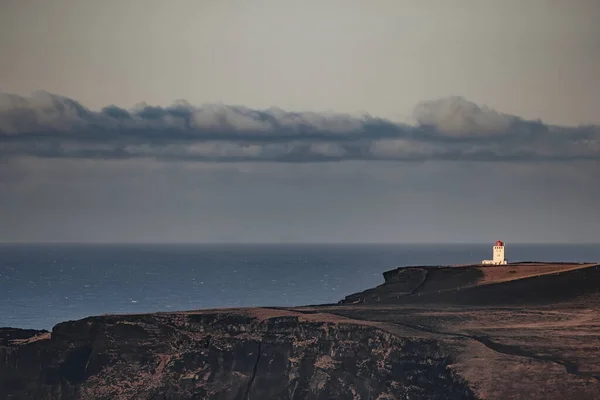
column 41, row 285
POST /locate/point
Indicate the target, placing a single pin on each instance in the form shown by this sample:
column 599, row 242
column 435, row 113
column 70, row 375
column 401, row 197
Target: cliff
column 238, row 354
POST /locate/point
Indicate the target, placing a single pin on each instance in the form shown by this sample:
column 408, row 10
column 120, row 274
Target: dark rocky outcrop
column 398, row 282
column 233, row 355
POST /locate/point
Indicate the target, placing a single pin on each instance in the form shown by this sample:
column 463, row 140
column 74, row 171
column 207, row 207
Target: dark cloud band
column 50, row 126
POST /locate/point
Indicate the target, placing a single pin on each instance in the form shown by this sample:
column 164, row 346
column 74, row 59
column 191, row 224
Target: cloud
column 47, row 125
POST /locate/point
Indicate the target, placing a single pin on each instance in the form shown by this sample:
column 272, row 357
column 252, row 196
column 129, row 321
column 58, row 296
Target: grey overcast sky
column 338, row 120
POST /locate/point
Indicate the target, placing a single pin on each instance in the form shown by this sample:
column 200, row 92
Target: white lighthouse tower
column 498, row 255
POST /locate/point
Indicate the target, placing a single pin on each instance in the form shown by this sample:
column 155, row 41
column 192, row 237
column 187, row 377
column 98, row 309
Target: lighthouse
column 498, row 255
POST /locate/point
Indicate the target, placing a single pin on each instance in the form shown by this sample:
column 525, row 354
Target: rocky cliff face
column 398, row 283
column 243, row 354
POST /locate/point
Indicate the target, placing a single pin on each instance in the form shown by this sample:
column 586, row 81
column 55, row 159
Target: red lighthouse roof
column 499, row 243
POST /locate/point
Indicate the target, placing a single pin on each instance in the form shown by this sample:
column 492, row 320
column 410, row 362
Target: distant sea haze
column 41, row 285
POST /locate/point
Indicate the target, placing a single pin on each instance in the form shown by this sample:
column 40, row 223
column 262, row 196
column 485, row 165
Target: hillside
column 476, row 284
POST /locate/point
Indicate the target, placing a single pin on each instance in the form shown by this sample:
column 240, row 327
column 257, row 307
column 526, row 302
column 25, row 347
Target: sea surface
column 41, row 285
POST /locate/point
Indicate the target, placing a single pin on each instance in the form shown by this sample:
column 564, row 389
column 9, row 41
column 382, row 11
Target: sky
column 313, row 121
